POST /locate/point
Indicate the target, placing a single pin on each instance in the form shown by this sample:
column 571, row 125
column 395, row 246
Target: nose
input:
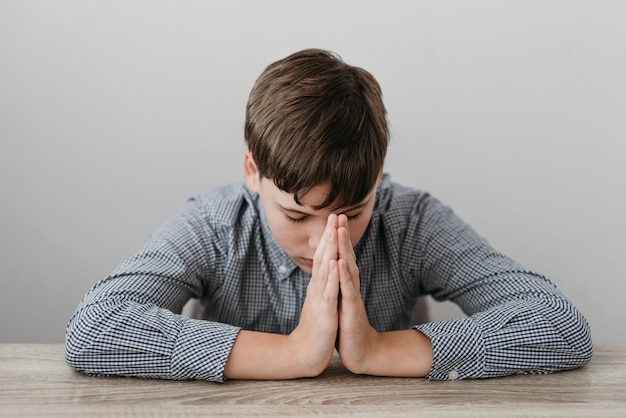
column 315, row 234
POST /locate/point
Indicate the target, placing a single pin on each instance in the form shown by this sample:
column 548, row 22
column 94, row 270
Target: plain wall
column 112, row 113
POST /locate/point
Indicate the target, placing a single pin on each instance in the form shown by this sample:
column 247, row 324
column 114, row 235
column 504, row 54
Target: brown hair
column 311, row 120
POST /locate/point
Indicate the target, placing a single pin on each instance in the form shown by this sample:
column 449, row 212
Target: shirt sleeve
column 518, row 321
column 127, row 325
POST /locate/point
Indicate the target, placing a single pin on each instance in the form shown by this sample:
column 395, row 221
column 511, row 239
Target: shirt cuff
column 202, row 350
column 458, row 349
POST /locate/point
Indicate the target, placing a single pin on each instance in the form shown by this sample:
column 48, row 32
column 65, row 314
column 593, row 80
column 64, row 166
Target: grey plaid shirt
column 218, row 249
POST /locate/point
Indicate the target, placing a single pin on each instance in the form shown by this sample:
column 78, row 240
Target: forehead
column 312, row 199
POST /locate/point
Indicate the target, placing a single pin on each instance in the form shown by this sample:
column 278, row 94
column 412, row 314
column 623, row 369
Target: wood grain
column 36, row 382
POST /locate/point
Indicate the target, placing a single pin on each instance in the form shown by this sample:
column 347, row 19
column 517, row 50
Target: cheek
column 359, row 225
column 284, row 232
column 357, row 228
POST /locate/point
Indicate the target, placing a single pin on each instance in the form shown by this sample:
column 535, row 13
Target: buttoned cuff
column 458, row 349
column 202, row 350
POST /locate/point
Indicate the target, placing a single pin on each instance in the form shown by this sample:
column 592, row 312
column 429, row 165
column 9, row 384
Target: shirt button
column 453, row 375
column 282, row 269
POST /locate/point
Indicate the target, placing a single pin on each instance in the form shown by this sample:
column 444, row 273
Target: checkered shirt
column 218, row 249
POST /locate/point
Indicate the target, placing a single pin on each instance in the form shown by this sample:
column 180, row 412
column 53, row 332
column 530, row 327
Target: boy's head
column 314, row 120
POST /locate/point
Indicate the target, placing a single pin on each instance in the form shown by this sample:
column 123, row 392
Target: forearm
column 146, row 341
column 540, row 334
column 406, row 353
column 265, row 356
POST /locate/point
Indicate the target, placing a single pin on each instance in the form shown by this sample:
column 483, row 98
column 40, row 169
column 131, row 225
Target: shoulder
column 225, row 205
column 394, row 198
column 399, row 207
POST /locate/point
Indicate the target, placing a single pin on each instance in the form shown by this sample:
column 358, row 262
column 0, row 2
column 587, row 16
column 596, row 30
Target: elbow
column 77, row 343
column 581, row 350
column 576, row 335
column 584, row 349
column 83, row 333
column 75, row 354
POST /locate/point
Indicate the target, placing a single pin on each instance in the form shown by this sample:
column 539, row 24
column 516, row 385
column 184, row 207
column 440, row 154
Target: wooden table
column 36, row 382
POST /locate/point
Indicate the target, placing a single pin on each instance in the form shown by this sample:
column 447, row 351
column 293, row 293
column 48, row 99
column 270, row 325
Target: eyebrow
column 348, row 209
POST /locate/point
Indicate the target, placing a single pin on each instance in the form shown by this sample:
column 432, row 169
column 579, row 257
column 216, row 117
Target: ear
column 251, row 172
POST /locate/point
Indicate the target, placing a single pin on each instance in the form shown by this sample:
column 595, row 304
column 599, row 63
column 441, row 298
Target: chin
column 306, row 269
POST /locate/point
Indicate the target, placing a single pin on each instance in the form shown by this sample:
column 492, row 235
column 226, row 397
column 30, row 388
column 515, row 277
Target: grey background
column 112, row 113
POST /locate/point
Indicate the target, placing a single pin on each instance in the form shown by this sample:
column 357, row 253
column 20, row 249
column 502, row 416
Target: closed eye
column 303, row 218
column 355, row 216
column 295, row 220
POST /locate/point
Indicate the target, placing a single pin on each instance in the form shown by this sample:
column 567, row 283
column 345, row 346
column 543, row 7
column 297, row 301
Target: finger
column 345, row 242
column 319, row 254
column 346, row 250
column 326, row 251
column 330, row 297
column 352, row 270
column 342, row 220
column 331, row 249
column 349, row 292
column 319, row 251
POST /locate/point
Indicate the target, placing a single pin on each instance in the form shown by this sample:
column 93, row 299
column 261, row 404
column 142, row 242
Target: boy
column 320, row 251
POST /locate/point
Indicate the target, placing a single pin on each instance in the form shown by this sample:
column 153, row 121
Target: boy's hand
column 357, row 342
column 362, row 349
column 307, row 351
column 313, row 341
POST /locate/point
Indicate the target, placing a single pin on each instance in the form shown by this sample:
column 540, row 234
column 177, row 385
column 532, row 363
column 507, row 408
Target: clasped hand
column 333, row 314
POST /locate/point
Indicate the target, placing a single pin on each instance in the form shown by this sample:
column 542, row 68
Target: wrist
column 304, row 359
column 362, row 356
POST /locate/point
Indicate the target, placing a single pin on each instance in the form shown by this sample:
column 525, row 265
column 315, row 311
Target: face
column 298, row 228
